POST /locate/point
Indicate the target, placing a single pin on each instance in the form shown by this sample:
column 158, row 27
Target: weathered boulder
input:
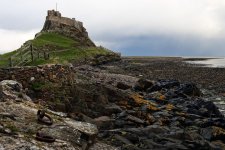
column 213, row 133
column 104, row 59
column 103, row 122
column 122, row 86
column 163, row 84
column 112, row 108
column 189, row 89
column 12, row 90
column 143, row 84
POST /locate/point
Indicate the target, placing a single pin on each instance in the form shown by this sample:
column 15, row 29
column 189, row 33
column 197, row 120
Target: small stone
column 122, row 139
column 112, row 109
column 150, row 118
column 120, row 123
column 123, row 86
column 8, row 131
column 32, row 79
column 218, row 145
column 103, row 122
column 135, row 119
column 122, row 114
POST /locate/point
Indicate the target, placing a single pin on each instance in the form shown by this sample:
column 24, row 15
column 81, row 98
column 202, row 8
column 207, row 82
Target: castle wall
column 66, row 26
column 66, row 21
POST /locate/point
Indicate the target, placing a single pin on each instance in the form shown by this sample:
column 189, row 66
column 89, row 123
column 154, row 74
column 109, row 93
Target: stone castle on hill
column 58, row 21
column 69, row 27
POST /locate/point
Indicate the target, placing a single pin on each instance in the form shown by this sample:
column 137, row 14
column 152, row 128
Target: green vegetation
column 8, row 54
column 54, row 40
column 4, row 58
column 38, row 86
column 73, row 54
column 61, row 50
column 12, row 128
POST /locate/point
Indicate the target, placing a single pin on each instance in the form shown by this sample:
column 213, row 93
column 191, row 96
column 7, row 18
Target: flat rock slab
column 85, row 127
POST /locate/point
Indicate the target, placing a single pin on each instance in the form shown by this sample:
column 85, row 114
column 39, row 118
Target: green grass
column 8, row 54
column 61, row 49
column 38, row 86
column 54, row 39
column 4, row 58
column 74, row 54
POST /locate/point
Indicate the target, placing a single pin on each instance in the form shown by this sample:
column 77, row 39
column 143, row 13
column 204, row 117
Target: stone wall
column 26, row 75
column 43, row 82
column 66, row 21
column 62, row 88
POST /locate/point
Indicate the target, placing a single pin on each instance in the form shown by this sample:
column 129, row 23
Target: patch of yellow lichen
column 181, row 114
column 219, row 143
column 169, row 107
column 151, row 107
column 218, row 131
column 123, row 103
column 139, row 100
column 162, row 97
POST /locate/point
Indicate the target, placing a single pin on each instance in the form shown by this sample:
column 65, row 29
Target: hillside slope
column 61, row 41
column 63, row 50
column 50, row 47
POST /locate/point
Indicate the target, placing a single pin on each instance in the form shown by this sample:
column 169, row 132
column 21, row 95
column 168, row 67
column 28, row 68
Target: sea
column 216, row 62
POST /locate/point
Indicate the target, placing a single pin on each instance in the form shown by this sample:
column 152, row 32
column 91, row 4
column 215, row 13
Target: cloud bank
column 137, row 27
column 11, row 40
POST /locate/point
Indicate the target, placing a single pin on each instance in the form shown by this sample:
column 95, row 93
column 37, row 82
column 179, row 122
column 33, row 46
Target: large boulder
column 213, row 133
column 12, row 90
column 189, row 89
column 143, row 84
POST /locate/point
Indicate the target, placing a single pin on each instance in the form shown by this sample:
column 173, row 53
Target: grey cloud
column 137, row 27
column 23, row 15
column 159, row 45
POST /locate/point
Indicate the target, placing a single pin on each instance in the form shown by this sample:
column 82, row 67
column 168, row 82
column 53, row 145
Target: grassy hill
column 61, row 50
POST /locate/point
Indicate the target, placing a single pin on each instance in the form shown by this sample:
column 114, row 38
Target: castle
column 66, row 26
column 56, row 16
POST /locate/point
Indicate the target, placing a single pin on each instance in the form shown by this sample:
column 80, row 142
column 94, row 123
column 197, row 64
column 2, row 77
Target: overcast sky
column 132, row 27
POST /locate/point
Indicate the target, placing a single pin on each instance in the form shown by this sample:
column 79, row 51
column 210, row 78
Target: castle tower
column 70, row 27
column 54, row 13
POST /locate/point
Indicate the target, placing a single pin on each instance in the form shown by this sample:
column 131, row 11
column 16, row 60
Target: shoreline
column 155, row 68
column 209, row 80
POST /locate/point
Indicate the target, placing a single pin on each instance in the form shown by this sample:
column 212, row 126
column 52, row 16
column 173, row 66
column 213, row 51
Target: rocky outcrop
column 12, row 90
column 69, row 27
column 105, row 58
column 21, row 129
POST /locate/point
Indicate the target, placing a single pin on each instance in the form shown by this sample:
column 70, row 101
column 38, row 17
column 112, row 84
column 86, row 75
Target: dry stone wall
column 47, row 84
column 63, row 88
column 26, row 75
